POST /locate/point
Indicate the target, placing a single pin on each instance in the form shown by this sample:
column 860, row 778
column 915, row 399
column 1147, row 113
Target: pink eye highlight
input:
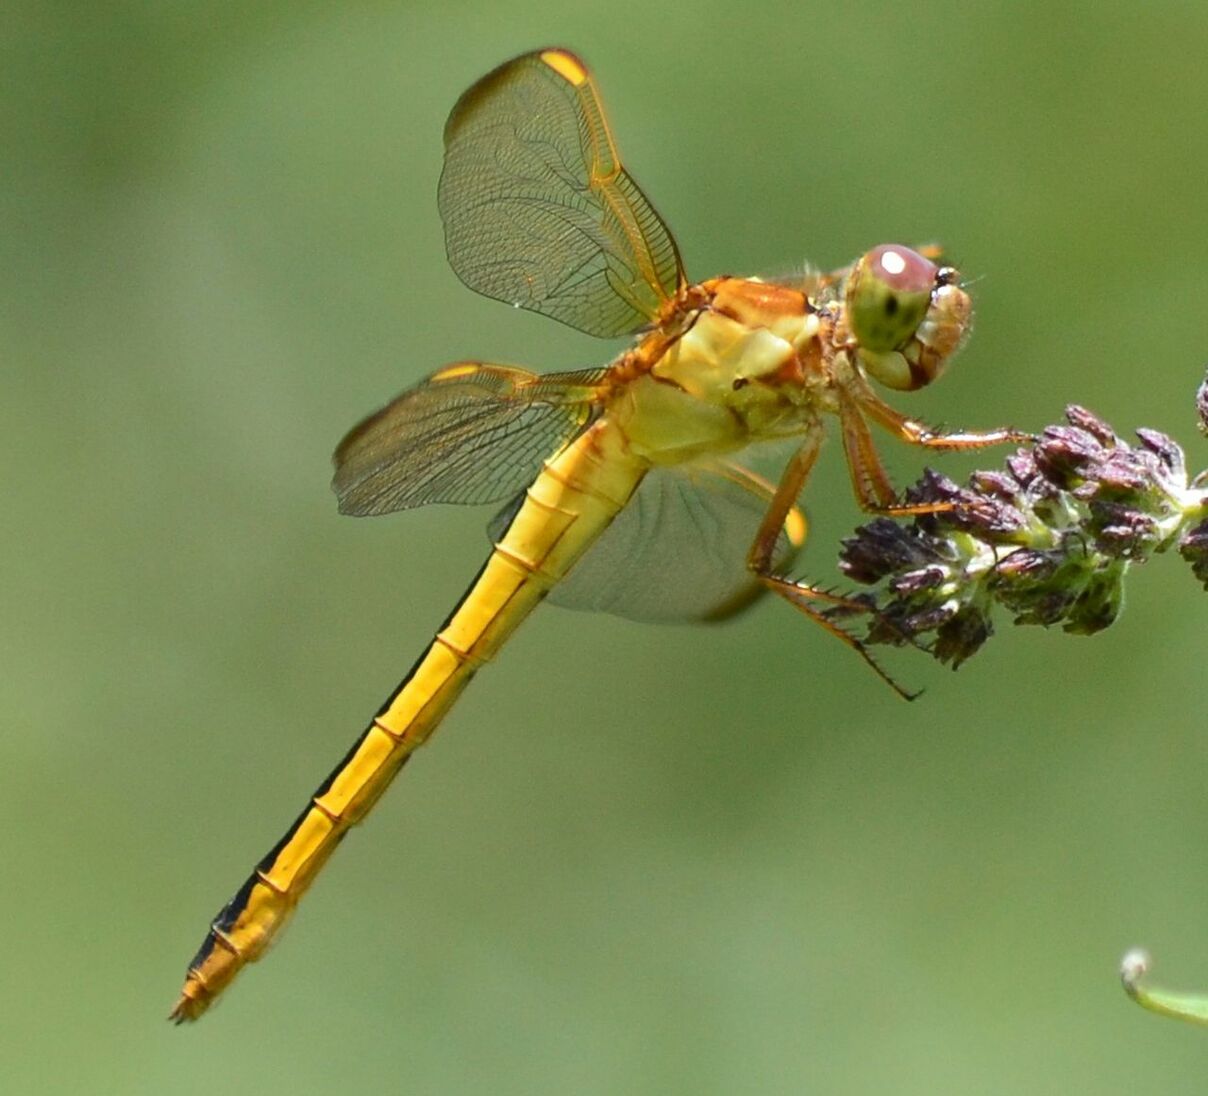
column 903, row 269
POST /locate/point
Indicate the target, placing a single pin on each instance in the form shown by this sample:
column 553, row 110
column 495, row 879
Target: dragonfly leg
column 870, row 482
column 916, row 433
column 804, row 597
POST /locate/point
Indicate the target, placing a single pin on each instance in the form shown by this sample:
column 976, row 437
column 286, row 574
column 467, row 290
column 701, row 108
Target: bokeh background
column 637, row 859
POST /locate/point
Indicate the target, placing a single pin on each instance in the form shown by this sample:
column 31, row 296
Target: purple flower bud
column 1120, row 530
column 1097, row 607
column 881, row 548
column 1067, row 455
column 913, row 582
column 1086, row 420
column 998, row 484
column 1193, row 547
column 930, row 619
column 961, row 637
column 1168, row 452
column 1123, row 472
column 1044, row 606
column 1026, row 564
column 1022, row 465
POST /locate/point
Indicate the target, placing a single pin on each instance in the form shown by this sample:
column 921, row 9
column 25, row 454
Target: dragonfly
column 626, row 487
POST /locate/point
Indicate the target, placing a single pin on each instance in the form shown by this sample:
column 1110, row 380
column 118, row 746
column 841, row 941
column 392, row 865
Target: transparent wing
column 537, row 208
column 470, row 433
column 678, row 551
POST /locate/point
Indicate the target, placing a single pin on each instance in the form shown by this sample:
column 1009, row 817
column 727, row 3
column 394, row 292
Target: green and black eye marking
column 887, row 296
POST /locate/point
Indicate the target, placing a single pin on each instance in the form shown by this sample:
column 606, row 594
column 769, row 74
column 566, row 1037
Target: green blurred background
column 637, row 859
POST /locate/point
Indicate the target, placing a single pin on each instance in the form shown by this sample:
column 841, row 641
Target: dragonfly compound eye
column 887, row 296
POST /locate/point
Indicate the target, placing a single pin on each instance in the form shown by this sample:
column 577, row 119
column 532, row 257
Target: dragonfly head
column 906, row 314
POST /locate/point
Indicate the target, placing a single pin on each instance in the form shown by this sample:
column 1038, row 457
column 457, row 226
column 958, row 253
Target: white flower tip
column 1134, row 966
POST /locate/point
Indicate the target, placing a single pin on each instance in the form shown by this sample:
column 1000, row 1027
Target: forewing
column 537, row 208
column 678, row 551
column 470, row 433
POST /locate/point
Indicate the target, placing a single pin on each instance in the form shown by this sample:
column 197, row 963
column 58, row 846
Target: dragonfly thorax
column 746, row 368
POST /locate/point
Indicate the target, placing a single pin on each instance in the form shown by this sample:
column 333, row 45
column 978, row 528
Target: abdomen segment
column 570, row 503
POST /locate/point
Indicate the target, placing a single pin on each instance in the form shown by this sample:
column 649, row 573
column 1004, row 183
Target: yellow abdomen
column 571, row 502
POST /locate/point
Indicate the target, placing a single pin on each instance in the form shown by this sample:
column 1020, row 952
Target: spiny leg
column 916, row 433
column 870, row 482
column 801, row 595
column 873, row 489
